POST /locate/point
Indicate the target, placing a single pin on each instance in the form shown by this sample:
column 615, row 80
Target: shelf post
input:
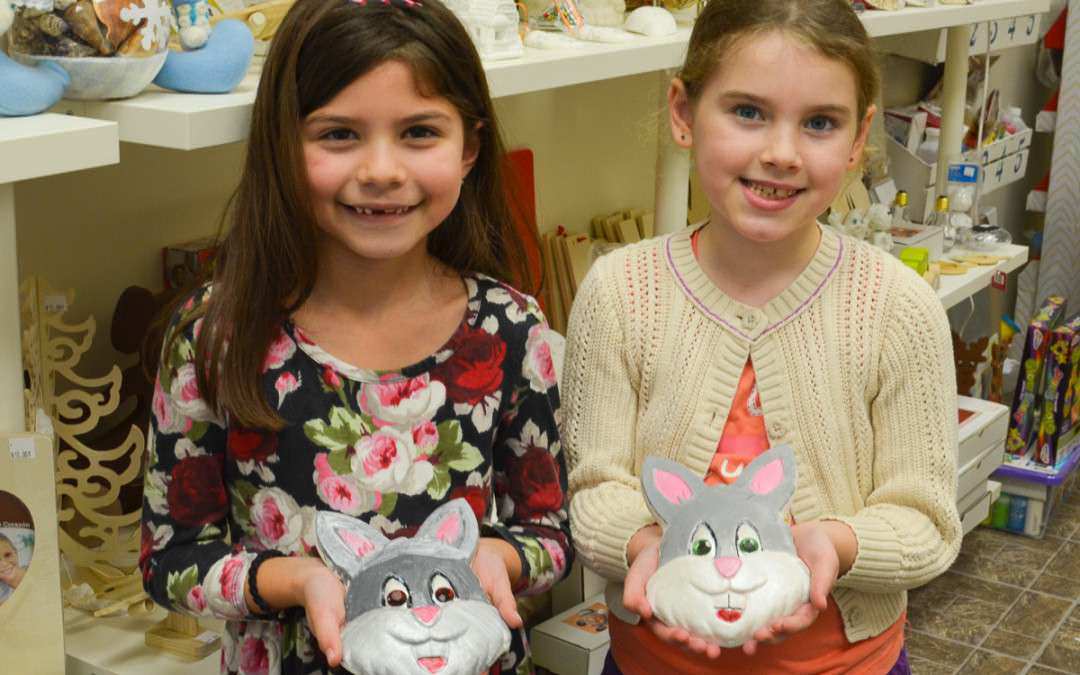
column 953, row 101
column 672, row 170
column 12, row 417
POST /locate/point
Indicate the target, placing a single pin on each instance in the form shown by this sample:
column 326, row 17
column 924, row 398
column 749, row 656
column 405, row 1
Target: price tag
column 998, row 280
column 206, row 637
column 22, row 448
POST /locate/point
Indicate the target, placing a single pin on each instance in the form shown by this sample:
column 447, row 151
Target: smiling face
column 9, row 557
column 384, row 164
column 774, row 130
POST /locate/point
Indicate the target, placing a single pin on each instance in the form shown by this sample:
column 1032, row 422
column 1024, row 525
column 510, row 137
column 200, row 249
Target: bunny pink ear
column 671, row 486
column 667, row 486
column 450, row 529
column 453, row 524
column 345, row 543
column 357, row 543
column 768, row 478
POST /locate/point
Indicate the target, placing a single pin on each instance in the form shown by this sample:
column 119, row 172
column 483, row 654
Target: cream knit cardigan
column 854, row 369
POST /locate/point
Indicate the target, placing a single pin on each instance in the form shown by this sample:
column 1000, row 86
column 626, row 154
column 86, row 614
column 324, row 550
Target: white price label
column 22, row 448
column 206, row 637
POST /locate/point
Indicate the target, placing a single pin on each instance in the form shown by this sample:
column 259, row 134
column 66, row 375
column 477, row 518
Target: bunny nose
column 426, row 614
column 727, row 567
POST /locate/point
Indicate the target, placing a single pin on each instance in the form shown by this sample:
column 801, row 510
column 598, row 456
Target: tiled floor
column 1010, row 604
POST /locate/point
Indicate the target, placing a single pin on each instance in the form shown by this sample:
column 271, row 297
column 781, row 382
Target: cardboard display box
column 1027, row 399
column 1062, row 362
column 574, row 642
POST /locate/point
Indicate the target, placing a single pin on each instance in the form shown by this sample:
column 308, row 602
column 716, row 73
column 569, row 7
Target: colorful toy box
column 1055, row 422
column 1027, row 399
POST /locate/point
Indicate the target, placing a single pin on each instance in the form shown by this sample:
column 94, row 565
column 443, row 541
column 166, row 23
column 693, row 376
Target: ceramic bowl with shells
column 110, row 48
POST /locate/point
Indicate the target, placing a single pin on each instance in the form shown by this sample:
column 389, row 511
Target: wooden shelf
column 48, row 144
column 191, row 121
column 957, row 288
column 916, row 19
column 116, row 646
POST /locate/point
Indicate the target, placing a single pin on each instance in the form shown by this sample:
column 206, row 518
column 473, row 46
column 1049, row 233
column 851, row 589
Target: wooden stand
column 181, row 636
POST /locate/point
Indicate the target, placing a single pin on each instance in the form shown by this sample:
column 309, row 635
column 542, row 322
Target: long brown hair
column 266, row 265
column 830, row 26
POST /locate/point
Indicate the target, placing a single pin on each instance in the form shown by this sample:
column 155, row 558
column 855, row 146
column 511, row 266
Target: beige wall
column 101, row 230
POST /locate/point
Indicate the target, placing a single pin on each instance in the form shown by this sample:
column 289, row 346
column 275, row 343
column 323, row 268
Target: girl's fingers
column 503, row 598
column 327, row 633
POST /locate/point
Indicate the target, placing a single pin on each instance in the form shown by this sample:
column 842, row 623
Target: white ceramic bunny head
column 413, row 605
column 727, row 560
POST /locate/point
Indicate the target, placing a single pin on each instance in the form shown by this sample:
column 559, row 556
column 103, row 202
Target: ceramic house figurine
column 413, row 605
column 728, row 564
column 492, row 25
column 23, row 90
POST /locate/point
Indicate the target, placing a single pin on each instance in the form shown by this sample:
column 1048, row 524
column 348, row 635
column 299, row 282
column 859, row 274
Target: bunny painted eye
column 394, row 593
column 442, row 590
column 702, row 542
column 747, row 539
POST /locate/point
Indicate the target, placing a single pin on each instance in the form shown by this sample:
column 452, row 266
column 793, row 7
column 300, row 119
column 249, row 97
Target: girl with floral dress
column 357, row 349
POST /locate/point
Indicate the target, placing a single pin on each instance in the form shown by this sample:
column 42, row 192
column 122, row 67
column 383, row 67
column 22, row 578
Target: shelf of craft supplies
column 115, row 645
column 49, row 144
column 1028, row 470
column 192, row 121
column 953, row 289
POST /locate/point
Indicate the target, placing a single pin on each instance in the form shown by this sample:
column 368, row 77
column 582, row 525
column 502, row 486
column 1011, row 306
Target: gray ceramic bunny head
column 413, row 605
column 727, row 560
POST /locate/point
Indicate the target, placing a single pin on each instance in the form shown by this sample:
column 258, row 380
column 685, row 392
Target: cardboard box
column 182, row 263
column 1027, row 398
column 930, row 237
column 574, row 642
column 982, row 426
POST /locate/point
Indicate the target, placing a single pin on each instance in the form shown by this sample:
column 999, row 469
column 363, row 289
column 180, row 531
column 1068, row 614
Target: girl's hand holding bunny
column 306, row 582
column 643, row 554
column 497, row 566
column 828, row 549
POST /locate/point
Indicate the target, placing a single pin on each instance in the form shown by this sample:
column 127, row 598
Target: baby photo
column 16, row 543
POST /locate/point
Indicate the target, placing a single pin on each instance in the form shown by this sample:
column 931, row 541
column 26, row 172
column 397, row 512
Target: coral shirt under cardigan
column 854, row 370
column 474, row 420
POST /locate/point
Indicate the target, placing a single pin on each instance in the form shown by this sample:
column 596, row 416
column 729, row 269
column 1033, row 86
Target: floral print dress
column 477, row 420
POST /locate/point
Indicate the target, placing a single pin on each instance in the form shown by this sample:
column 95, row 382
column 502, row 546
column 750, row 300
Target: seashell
column 50, row 24
column 84, row 23
column 31, row 12
column 26, row 38
column 108, row 12
column 62, row 5
column 132, row 46
column 65, row 46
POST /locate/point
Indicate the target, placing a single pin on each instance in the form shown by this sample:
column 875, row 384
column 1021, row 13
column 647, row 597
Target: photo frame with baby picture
column 16, row 543
column 31, row 613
